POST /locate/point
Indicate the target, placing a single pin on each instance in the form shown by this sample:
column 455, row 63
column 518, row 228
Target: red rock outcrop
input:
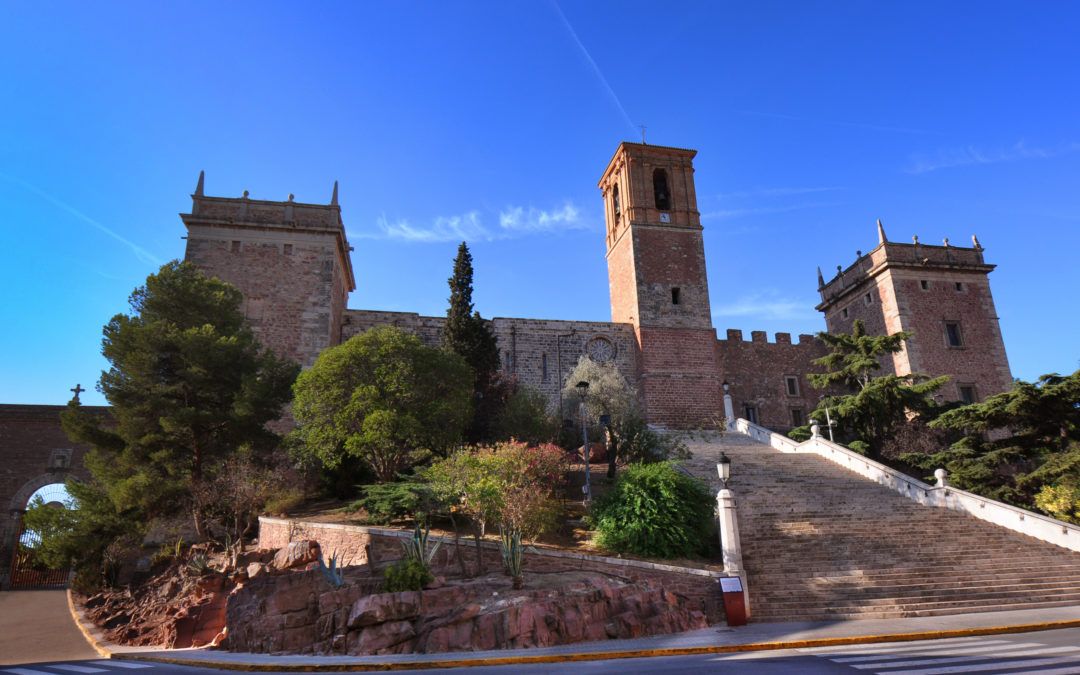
column 299, row 613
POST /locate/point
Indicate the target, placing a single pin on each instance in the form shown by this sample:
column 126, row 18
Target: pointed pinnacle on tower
column 333, row 197
column 881, row 232
column 199, row 185
column 820, row 279
column 975, row 241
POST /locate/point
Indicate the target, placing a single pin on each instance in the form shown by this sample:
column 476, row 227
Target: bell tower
column 656, row 273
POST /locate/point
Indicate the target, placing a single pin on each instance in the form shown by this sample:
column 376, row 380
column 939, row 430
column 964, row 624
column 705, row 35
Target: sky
column 493, row 121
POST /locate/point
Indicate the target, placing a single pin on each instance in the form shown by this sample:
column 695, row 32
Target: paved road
column 36, row 626
column 1043, row 653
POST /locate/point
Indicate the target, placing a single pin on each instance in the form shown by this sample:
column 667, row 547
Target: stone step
column 767, row 616
column 910, row 605
column 893, row 594
column 765, row 582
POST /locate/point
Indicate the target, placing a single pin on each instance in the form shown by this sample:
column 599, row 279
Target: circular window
column 600, row 349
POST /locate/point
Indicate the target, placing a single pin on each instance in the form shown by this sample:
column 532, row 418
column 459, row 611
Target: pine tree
column 468, row 335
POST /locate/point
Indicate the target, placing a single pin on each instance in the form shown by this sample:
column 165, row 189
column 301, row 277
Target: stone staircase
column 820, row 543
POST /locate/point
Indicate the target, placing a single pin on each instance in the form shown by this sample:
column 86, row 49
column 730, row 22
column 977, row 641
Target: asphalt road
column 37, row 626
column 1042, row 653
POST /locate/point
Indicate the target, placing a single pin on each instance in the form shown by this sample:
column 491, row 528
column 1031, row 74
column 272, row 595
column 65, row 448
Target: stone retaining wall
column 358, row 545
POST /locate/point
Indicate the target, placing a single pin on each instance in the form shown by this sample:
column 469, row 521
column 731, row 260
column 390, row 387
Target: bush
column 525, row 417
column 406, row 575
column 654, row 510
column 387, row 502
column 800, row 434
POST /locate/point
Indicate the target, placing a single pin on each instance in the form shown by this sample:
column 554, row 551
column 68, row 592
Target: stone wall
column 538, row 353
column 358, row 545
column 757, row 372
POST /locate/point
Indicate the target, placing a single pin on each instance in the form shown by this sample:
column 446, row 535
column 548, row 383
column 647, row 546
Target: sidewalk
column 714, row 640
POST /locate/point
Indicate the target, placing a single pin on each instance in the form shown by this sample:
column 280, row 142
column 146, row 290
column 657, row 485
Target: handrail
column 1011, row 517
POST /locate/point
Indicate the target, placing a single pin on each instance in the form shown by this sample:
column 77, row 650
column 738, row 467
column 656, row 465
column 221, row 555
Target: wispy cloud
column 727, row 214
column 521, row 219
column 140, row 253
column 595, row 68
column 767, row 305
column 841, row 123
column 967, row 156
column 513, row 222
column 776, row 192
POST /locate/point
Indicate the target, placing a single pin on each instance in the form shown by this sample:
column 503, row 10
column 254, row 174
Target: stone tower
column 656, row 273
column 941, row 294
column 290, row 261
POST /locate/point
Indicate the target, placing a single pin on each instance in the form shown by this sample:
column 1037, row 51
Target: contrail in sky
column 141, row 253
column 596, row 68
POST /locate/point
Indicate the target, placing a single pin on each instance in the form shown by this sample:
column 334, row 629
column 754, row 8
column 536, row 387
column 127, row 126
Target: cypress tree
column 468, row 335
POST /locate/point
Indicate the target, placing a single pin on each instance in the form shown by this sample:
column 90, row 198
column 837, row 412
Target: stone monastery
column 291, row 262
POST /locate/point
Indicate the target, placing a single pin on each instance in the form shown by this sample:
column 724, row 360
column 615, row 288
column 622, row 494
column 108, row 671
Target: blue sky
column 493, row 122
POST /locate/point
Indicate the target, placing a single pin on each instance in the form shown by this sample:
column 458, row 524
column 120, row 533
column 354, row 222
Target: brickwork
column 32, row 444
column 757, row 372
column 923, row 289
column 290, row 260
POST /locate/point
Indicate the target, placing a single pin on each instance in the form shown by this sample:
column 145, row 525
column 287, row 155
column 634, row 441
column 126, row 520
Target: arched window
column 615, row 201
column 661, row 192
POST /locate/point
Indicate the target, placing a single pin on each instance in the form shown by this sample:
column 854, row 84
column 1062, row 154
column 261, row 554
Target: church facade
column 291, row 262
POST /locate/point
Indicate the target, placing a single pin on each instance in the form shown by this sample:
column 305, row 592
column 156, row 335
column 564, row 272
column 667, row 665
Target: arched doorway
column 27, row 571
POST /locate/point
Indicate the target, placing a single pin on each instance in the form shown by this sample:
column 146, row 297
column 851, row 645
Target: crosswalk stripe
column 914, row 651
column 986, row 666
column 25, row 671
column 897, row 646
column 961, row 659
column 122, row 664
column 76, row 669
column 1051, row 671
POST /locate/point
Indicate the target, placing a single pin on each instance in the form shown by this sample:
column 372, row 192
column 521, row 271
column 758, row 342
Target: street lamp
column 583, row 390
column 828, row 419
column 723, row 468
column 726, row 386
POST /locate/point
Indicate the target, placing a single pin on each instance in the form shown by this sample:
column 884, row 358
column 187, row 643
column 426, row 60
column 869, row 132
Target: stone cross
column 642, row 126
column 78, row 390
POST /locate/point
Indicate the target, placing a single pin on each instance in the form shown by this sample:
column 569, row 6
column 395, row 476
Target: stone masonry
column 291, row 261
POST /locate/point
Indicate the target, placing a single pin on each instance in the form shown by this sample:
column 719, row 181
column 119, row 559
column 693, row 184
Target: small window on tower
column 796, row 417
column 543, row 368
column 615, row 203
column 924, row 284
column 959, row 286
column 843, row 312
column 792, row 384
column 287, row 249
column 866, row 299
column 967, row 394
column 953, row 336
column 235, row 247
column 661, row 193
column 676, row 296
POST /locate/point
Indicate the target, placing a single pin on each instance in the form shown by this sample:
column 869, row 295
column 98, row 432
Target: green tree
column 383, row 397
column 468, row 335
column 629, row 439
column 877, row 405
column 525, row 417
column 1016, row 443
column 188, row 384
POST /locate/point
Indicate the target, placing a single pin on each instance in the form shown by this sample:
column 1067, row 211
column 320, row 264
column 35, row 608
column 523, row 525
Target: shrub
column 525, row 417
column 284, row 501
column 387, row 502
column 406, row 575
column 800, row 434
column 1060, row 501
column 656, row 511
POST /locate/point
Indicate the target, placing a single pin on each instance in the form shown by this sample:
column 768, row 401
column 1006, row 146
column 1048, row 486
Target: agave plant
column 199, row 564
column 416, row 549
column 332, row 572
column 510, row 546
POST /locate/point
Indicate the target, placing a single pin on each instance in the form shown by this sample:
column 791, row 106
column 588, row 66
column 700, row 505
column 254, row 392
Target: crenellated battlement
column 735, row 335
column 888, row 254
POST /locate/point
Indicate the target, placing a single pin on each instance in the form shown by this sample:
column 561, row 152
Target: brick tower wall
column 290, row 261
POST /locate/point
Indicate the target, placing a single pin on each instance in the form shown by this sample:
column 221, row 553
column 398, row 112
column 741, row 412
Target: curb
column 88, row 630
column 595, row 656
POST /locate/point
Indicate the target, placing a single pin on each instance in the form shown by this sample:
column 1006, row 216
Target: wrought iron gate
column 27, row 571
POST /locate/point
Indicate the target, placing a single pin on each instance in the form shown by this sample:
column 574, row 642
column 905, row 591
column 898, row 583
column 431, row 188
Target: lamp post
column 723, row 468
column 583, row 390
